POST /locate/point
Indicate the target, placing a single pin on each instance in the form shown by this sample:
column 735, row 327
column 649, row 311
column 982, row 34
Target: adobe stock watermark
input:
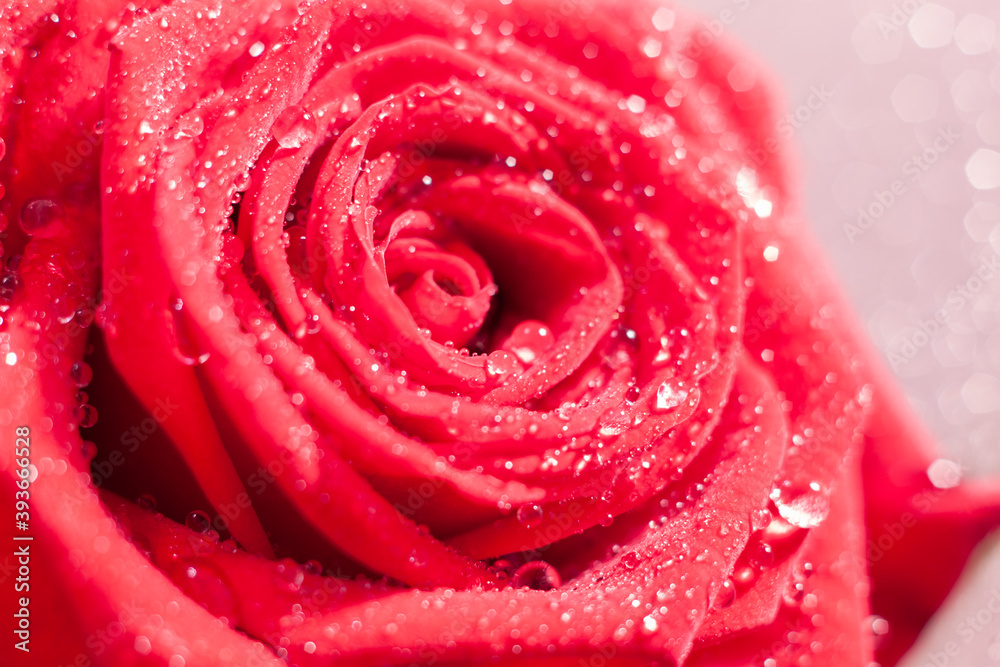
column 905, row 346
column 910, row 171
column 76, row 154
column 966, row 630
column 899, row 15
column 712, row 29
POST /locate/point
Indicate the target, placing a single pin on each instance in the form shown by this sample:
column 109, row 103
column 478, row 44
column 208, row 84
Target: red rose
column 455, row 333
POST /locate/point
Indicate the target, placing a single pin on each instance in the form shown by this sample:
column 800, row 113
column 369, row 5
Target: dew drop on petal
column 760, row 519
column 40, row 214
column 198, row 521
column 761, row 555
column 794, row 592
column 88, row 450
column 500, row 362
column 631, row 560
column 530, row 515
column 726, row 595
column 185, row 349
column 802, row 508
column 86, row 415
column 537, row 575
column 146, row 502
column 529, row 340
column 294, row 127
column 669, row 396
column 81, row 373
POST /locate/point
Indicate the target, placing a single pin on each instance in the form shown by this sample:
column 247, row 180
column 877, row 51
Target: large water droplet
column 670, row 395
column 198, row 521
column 726, row 595
column 185, row 350
column 500, row 363
column 86, row 415
column 530, row 515
column 39, row 215
column 761, row 555
column 529, row 340
column 88, row 450
column 146, row 502
column 294, row 127
column 81, row 373
column 186, row 129
column 537, row 575
column 803, row 508
column 760, row 519
column 794, row 591
column 631, row 560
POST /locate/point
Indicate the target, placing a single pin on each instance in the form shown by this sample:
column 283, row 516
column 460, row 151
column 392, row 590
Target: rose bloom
column 413, row 332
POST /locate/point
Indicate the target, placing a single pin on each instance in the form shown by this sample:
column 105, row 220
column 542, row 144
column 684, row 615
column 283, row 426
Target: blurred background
column 895, row 109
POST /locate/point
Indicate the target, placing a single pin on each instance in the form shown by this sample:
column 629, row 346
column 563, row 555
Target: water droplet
column 793, row 593
column 39, row 215
column 760, row 519
column 503, row 568
column 81, row 373
column 88, row 450
column 232, row 248
column 500, row 363
column 530, row 515
column 802, row 508
column 201, row 582
column 632, row 394
column 8, row 286
column 198, row 521
column 630, row 560
column 3, row 148
column 146, row 502
column 726, row 595
column 669, row 396
column 529, row 340
column 761, row 555
column 187, row 128
column 86, row 415
column 313, row 567
column 537, row 575
column 185, row 350
column 294, row 127
column 878, row 626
